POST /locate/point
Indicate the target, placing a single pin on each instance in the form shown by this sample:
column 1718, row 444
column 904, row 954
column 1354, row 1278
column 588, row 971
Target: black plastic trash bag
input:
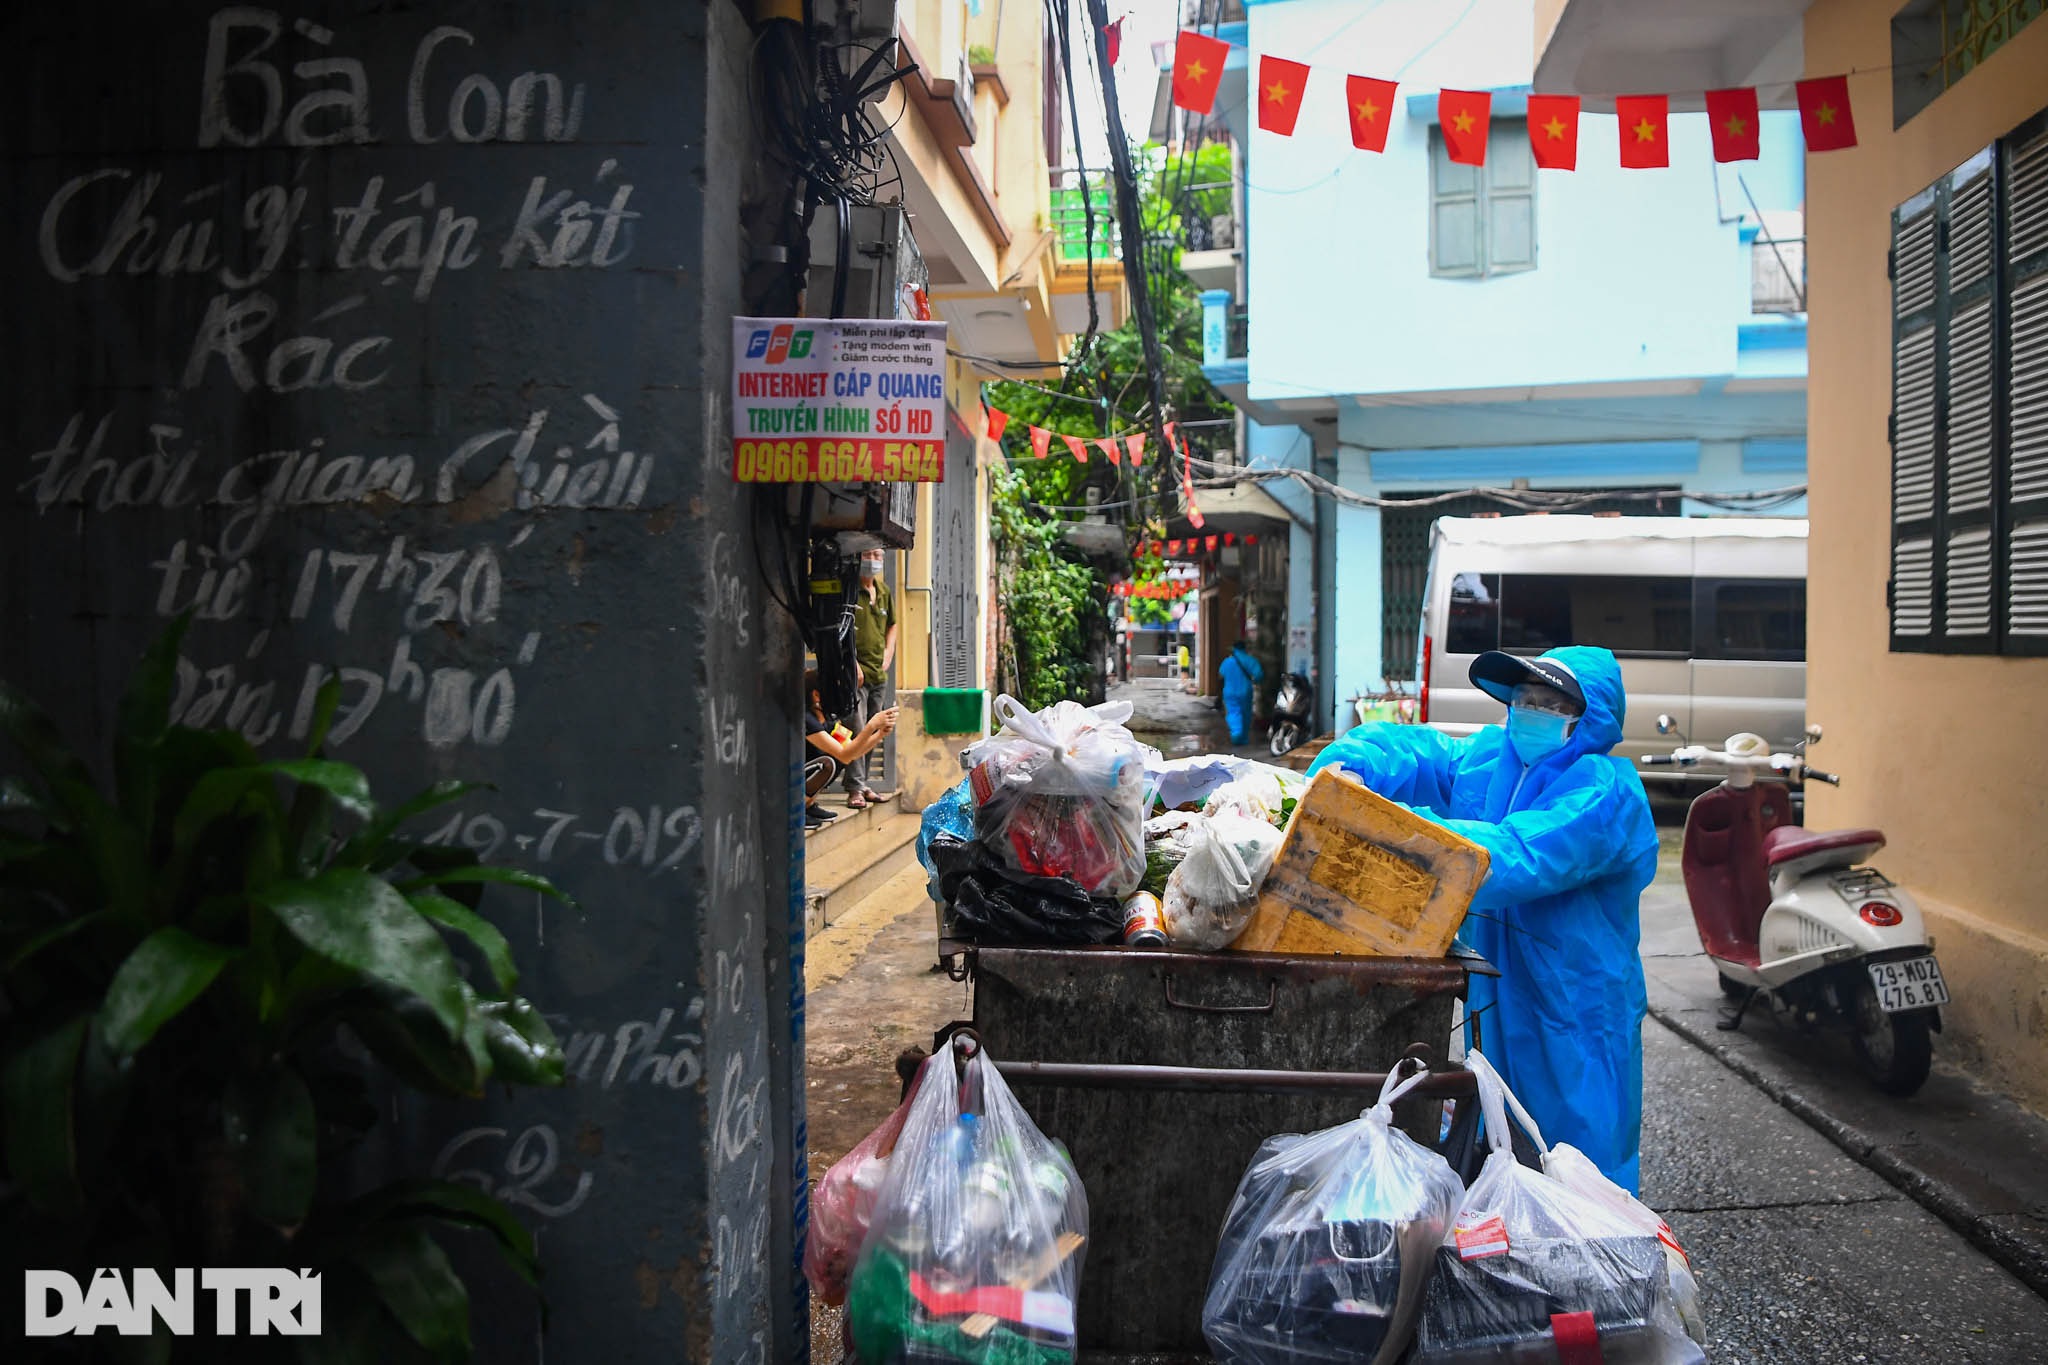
column 992, row 904
column 1329, row 1243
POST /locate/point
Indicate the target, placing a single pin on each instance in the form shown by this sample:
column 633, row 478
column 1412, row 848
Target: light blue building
column 1404, row 326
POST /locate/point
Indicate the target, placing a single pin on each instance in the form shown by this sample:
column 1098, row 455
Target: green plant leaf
column 35, row 734
column 325, row 702
column 342, row 781
column 57, row 933
column 504, row 876
column 213, row 797
column 166, row 972
column 369, row 842
column 420, row 1288
column 497, row 953
column 358, row 920
column 36, row 1118
column 453, row 1202
column 143, row 720
column 272, row 1131
column 407, row 1039
column 523, row 1048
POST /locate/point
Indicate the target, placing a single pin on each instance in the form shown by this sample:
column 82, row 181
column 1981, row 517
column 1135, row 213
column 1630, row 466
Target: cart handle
column 1272, row 998
column 1456, row 1083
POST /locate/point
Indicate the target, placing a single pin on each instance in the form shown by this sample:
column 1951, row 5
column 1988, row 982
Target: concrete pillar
column 429, row 357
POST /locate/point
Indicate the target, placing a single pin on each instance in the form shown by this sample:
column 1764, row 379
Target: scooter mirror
column 1665, row 725
column 1813, row 734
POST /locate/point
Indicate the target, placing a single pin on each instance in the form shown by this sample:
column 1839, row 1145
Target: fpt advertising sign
column 846, row 400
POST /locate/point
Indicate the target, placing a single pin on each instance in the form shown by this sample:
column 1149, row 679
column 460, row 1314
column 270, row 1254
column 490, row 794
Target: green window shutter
column 1510, row 198
column 2025, row 492
column 1914, row 258
column 1455, row 210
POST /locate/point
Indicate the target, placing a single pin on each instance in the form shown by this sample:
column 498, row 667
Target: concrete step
column 851, row 827
column 857, row 864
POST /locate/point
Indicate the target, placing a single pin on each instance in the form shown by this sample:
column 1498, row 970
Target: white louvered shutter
column 1915, row 374
column 2026, row 434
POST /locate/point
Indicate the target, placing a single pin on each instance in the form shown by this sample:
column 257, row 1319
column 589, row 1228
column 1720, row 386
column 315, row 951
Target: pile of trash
column 1067, row 830
column 1359, row 1243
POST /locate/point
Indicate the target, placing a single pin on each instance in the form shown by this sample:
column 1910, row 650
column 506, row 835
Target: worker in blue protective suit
column 1572, row 845
column 1240, row 671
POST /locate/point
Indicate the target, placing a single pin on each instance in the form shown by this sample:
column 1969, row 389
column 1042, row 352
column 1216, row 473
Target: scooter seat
column 1787, row 842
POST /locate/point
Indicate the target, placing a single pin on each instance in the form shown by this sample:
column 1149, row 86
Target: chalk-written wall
column 390, row 338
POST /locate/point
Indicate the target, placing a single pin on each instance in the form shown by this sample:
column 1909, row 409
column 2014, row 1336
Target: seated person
column 830, row 753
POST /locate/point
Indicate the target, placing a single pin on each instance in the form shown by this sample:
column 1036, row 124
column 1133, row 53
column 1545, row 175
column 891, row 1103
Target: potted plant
column 208, row 968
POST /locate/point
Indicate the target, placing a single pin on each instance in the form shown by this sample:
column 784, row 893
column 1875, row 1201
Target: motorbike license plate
column 1913, row 984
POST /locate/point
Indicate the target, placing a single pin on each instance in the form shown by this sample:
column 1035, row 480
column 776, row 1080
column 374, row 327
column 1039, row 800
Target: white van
column 1706, row 614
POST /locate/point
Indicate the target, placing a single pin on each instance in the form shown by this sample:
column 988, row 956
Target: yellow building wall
column 1948, row 754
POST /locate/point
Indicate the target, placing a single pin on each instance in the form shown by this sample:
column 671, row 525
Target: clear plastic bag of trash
column 843, row 1203
column 1255, row 794
column 1062, row 793
column 974, row 1251
column 1191, row 783
column 1329, row 1244
column 1211, row 895
column 1533, row 1271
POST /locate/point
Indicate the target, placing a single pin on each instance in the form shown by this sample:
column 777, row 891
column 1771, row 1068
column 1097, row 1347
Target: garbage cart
column 1163, row 1070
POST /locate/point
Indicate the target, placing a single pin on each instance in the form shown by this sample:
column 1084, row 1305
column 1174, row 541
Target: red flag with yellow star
column 1281, row 84
column 1079, row 451
column 1824, row 114
column 1136, row 441
column 1645, row 126
column 1041, row 441
column 1732, row 116
column 996, row 422
column 1198, row 70
column 1107, row 445
column 1371, row 104
column 1554, row 131
column 1464, row 116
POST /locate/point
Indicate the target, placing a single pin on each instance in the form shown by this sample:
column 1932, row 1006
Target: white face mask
column 871, row 567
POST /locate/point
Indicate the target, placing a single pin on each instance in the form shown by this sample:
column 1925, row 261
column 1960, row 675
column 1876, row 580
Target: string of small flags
column 1112, row 447
column 1465, row 115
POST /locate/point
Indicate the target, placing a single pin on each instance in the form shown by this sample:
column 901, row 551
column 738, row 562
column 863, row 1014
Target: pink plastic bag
column 844, row 1202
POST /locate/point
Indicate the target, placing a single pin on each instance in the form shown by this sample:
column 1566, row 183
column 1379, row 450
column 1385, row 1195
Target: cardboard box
column 1362, row 876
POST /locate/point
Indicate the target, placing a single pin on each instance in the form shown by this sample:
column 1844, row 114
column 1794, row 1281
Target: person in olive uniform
column 874, row 650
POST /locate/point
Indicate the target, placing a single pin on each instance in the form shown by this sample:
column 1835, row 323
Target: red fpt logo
column 778, row 344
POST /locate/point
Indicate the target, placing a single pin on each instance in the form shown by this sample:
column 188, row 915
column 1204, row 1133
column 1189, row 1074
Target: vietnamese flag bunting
column 1229, row 538
column 1464, row 115
column 1210, row 543
column 1173, row 547
column 1281, row 84
column 1251, row 540
column 1080, row 451
column 997, row 422
column 1187, row 487
column 1136, row 442
column 1554, row 131
column 1824, row 114
column 1113, row 34
column 1645, row 127
column 1370, row 103
column 1732, row 116
column 1107, row 445
column 1041, row 441
column 1198, row 70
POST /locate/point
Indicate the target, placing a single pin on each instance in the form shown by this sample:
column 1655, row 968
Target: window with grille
column 1482, row 219
column 1969, row 421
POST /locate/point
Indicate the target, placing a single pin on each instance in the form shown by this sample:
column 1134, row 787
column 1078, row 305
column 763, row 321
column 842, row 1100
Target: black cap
column 1497, row 674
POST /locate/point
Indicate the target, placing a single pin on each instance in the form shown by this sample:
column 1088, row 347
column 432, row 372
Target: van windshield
column 1531, row 613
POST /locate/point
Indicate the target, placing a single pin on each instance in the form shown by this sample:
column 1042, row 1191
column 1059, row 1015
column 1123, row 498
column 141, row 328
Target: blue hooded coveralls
column 1572, row 847
column 1240, row 670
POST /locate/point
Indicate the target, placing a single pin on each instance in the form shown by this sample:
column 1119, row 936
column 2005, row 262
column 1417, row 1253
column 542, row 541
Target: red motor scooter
column 1794, row 915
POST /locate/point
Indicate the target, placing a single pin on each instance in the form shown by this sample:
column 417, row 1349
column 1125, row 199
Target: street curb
column 2027, row 1262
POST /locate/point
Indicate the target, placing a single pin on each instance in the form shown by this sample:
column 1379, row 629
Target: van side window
column 1755, row 619
column 1629, row 615
column 1475, row 614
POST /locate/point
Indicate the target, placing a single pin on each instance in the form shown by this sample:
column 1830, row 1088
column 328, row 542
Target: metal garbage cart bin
column 1162, row 1070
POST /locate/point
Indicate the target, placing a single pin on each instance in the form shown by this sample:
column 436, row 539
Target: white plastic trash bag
column 1212, row 893
column 1533, row 1271
column 973, row 1251
column 1329, row 1242
column 1062, row 793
